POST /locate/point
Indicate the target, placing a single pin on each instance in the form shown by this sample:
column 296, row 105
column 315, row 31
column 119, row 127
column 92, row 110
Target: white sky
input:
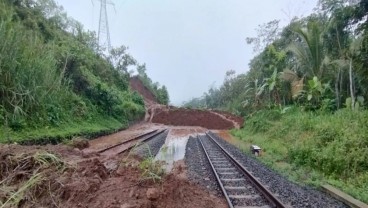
column 187, row 45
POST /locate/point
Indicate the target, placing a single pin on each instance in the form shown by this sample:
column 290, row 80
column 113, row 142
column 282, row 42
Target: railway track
column 240, row 188
column 130, row 143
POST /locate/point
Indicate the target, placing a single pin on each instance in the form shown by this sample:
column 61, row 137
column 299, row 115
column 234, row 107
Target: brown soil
column 90, row 180
column 225, row 135
column 137, row 85
column 237, row 119
column 191, row 117
column 184, row 131
column 170, row 115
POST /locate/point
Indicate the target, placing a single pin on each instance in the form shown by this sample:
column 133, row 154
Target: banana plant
column 272, row 84
column 315, row 90
column 253, row 93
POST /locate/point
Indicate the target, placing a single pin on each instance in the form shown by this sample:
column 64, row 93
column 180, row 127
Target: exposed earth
column 90, row 180
column 67, row 176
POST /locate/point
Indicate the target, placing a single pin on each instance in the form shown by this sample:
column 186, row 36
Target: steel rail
column 217, row 176
column 126, row 141
column 148, row 135
column 257, row 184
column 145, row 139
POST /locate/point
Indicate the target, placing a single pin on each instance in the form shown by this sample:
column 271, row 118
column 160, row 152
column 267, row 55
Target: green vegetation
column 316, row 62
column 160, row 93
column 304, row 96
column 55, row 83
column 313, row 147
column 31, row 176
column 151, row 169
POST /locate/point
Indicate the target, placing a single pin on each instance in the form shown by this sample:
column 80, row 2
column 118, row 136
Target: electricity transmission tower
column 103, row 27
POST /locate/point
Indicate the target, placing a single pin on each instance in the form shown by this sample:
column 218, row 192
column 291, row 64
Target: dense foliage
column 52, row 73
column 317, row 62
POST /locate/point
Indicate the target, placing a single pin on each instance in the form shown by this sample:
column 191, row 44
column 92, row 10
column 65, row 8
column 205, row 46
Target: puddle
column 173, row 150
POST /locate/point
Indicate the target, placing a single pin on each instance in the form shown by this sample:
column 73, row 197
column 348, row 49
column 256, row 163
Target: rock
column 131, row 193
column 79, row 143
column 110, row 165
column 152, row 194
column 120, row 171
column 126, row 205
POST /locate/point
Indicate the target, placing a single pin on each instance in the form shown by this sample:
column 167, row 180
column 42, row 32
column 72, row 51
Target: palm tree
column 309, row 51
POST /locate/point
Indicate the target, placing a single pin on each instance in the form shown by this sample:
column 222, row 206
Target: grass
column 312, row 148
column 151, row 169
column 35, row 170
column 17, row 196
column 56, row 134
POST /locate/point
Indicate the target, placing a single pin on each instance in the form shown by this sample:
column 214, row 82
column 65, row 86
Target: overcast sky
column 187, row 45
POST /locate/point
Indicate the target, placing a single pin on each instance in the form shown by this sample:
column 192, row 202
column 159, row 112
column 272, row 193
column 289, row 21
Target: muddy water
column 175, row 144
column 173, row 150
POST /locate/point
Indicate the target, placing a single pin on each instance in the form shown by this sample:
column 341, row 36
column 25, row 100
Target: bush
column 50, row 77
column 261, row 120
column 332, row 146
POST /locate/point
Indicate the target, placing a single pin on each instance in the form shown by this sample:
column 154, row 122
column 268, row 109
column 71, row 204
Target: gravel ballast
column 199, row 170
column 151, row 147
column 288, row 192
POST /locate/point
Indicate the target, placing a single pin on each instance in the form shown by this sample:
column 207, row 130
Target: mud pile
column 193, row 117
column 236, row 119
column 59, row 176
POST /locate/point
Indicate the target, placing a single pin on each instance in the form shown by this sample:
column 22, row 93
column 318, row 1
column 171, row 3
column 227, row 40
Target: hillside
column 69, row 87
column 137, row 85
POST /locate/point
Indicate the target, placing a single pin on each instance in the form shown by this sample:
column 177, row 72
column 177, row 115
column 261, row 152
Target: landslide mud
column 88, row 180
column 137, row 85
column 191, row 117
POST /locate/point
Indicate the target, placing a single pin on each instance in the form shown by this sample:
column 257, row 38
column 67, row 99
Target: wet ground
column 171, row 151
column 174, row 148
column 86, row 181
column 103, row 142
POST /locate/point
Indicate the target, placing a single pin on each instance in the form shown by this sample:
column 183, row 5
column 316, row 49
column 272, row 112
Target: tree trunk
column 342, row 86
column 351, row 84
column 337, row 89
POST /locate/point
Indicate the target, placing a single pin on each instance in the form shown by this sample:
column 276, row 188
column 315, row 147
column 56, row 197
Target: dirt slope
column 137, row 85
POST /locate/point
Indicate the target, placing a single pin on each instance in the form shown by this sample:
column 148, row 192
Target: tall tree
column 309, row 51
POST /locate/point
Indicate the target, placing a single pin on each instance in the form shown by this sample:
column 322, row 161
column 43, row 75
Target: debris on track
column 191, row 117
column 60, row 176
